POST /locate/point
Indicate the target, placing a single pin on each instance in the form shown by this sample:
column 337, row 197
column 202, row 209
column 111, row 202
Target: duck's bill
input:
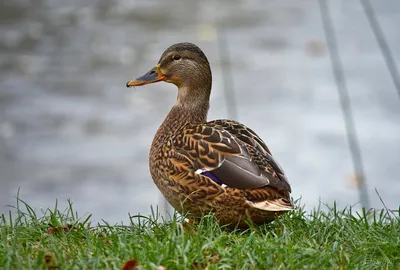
column 154, row 75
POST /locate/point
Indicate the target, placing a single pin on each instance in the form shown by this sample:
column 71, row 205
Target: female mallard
column 219, row 166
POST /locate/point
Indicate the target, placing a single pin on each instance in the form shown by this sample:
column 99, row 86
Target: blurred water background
column 69, row 128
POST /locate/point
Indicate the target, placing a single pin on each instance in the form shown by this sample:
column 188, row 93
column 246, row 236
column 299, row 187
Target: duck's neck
column 189, row 109
column 180, row 115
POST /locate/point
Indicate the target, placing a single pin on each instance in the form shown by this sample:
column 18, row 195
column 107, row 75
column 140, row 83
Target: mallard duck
column 220, row 167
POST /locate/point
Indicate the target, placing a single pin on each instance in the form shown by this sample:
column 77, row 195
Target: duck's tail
column 277, row 205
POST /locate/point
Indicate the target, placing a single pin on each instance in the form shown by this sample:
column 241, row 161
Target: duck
column 219, row 167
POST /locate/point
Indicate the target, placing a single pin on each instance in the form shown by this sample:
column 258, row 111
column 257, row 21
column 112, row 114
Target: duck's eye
column 176, row 57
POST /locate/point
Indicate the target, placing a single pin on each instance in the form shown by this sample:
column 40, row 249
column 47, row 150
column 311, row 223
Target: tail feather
column 275, row 205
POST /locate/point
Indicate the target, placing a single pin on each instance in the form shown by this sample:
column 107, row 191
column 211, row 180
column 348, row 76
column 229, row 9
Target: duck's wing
column 235, row 157
column 258, row 150
column 241, row 132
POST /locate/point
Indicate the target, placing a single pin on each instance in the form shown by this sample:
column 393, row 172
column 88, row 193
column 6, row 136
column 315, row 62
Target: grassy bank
column 330, row 239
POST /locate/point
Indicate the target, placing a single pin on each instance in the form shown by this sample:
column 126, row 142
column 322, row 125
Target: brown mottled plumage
column 219, row 166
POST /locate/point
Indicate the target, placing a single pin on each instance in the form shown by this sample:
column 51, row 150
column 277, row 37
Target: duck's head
column 184, row 65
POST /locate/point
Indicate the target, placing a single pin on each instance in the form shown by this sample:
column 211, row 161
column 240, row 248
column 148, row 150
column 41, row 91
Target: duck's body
column 219, row 166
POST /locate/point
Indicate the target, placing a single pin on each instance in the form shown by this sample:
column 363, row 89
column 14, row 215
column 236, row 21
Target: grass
column 329, row 239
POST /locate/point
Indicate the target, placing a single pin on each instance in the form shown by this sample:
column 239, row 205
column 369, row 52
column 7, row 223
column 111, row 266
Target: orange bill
column 154, row 75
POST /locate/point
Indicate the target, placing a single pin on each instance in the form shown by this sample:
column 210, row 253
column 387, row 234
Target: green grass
column 329, row 239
